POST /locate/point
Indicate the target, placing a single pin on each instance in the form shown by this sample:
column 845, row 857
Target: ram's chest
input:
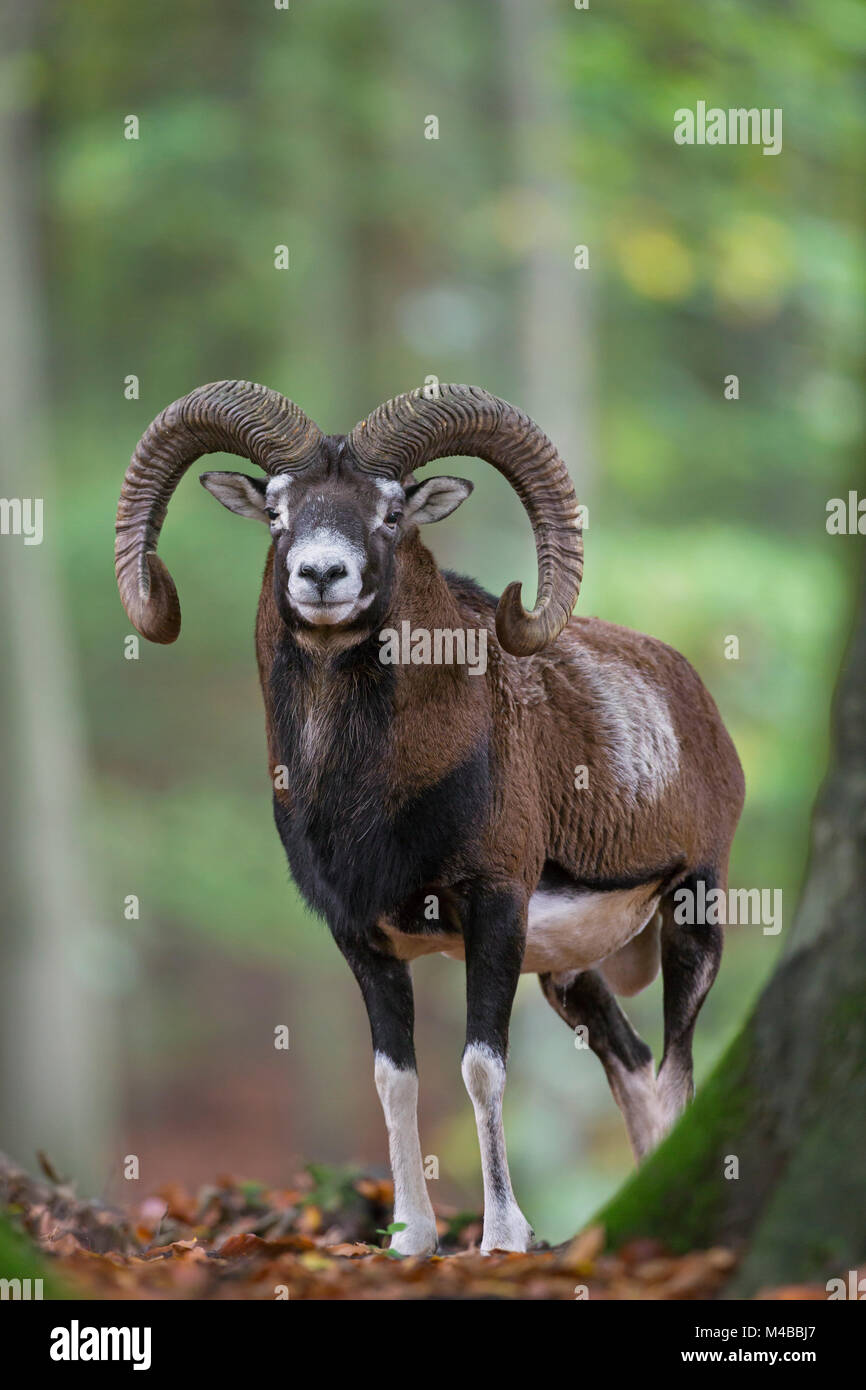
column 356, row 847
column 340, row 821
column 355, row 858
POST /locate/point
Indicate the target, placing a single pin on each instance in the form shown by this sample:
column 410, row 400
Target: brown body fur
column 545, row 718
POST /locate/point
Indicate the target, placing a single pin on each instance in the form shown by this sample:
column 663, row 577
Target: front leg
column 387, row 989
column 494, row 930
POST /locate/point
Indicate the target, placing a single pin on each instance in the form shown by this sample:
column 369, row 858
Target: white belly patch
column 573, row 931
column 567, row 930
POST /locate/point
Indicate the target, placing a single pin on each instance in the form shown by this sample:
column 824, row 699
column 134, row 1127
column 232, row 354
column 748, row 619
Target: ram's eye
column 272, row 513
column 392, row 518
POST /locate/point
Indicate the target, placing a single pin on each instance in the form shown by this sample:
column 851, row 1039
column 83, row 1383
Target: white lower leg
column 398, row 1092
column 674, row 1086
column 505, row 1226
column 636, row 1093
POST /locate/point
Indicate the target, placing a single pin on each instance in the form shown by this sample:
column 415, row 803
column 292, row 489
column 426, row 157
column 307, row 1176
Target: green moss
column 680, row 1193
column 808, row 1228
column 19, row 1260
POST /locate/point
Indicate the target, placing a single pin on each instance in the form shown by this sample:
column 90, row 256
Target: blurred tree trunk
column 788, row 1100
column 554, row 324
column 54, row 1082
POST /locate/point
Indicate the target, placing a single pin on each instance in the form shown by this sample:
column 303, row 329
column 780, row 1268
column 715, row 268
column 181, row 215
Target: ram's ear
column 241, row 494
column 435, row 498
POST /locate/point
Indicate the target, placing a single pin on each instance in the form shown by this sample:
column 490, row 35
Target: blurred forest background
column 155, row 258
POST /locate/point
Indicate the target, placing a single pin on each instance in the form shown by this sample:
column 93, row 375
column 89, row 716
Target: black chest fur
column 352, row 856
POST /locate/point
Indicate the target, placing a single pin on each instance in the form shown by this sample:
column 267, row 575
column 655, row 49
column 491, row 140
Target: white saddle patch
column 642, row 748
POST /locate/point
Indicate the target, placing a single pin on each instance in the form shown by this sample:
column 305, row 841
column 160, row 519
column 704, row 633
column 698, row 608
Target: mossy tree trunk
column 788, row 1100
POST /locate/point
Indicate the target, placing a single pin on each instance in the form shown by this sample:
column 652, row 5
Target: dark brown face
column 334, row 544
column 335, row 531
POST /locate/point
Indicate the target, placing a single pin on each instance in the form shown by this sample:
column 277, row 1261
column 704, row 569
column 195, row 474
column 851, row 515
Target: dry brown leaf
column 582, row 1252
column 310, row 1220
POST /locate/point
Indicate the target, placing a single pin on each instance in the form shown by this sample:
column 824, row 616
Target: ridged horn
column 413, row 429
column 233, row 417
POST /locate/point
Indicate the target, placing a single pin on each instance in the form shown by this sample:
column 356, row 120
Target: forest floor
column 323, row 1238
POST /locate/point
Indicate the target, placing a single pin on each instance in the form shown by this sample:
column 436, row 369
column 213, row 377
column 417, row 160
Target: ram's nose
column 322, row 575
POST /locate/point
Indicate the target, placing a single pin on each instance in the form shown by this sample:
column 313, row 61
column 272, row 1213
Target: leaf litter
column 324, row 1237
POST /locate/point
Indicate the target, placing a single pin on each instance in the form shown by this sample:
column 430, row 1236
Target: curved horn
column 233, row 417
column 412, row 430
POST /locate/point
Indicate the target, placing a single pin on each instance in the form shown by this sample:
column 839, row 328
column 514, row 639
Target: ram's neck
column 439, row 659
column 420, row 595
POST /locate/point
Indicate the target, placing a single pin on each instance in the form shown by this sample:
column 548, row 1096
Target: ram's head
column 339, row 506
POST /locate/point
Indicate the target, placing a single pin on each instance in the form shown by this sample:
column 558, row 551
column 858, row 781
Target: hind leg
column 585, row 999
column 690, row 962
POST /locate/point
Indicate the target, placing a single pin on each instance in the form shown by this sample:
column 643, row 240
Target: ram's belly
column 576, row 930
column 568, row 930
column 410, row 945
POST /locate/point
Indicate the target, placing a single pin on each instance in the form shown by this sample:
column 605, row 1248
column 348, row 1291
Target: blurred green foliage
column 305, row 127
